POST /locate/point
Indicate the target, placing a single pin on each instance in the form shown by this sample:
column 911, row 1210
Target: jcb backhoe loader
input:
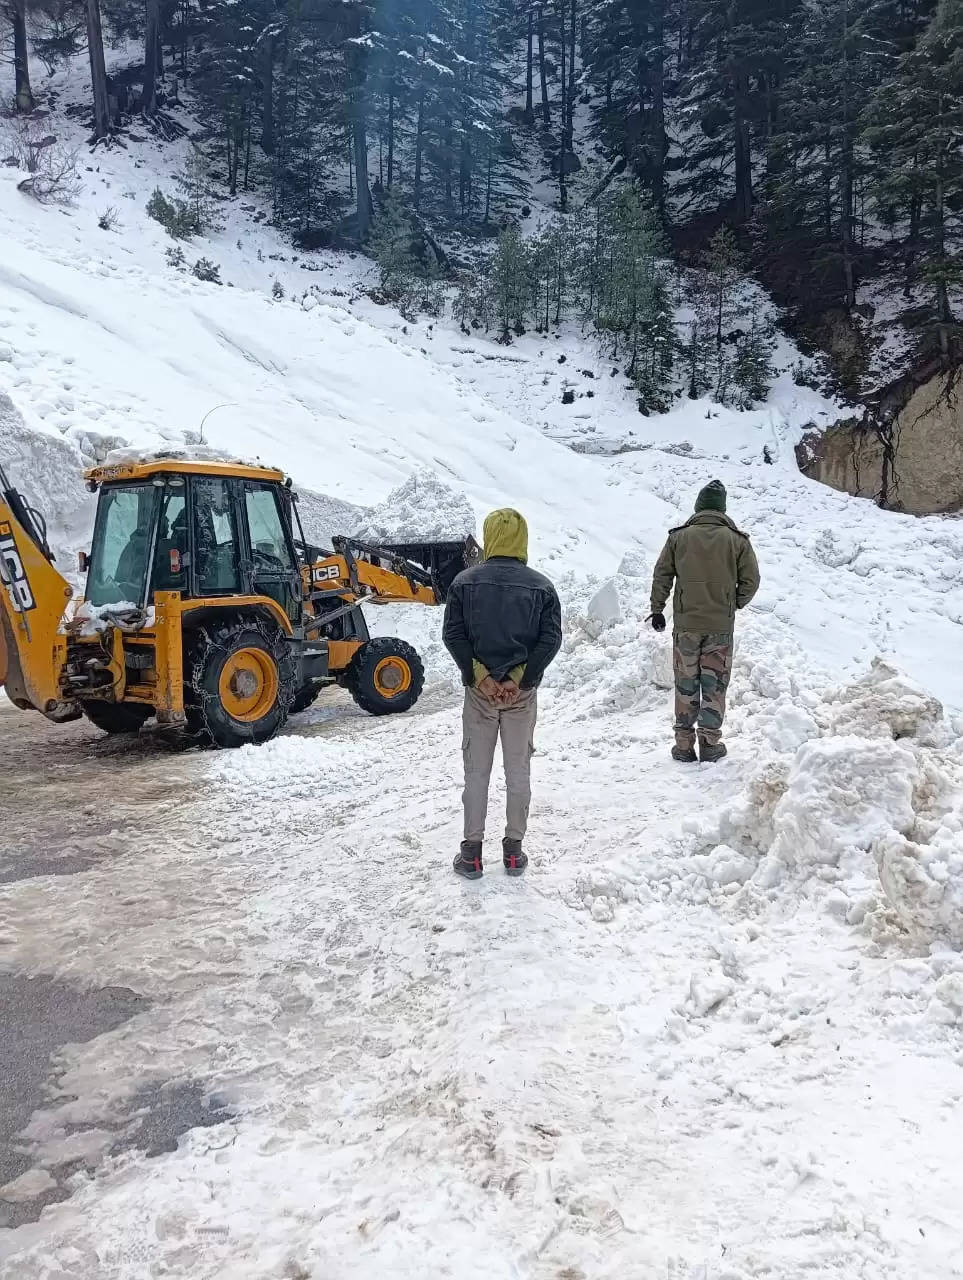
column 205, row 606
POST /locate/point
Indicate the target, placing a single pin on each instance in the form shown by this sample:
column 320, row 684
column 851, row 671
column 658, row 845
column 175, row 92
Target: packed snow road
column 617, row 1067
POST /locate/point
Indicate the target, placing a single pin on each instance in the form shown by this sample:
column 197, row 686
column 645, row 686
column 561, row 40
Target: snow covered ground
column 716, row 1033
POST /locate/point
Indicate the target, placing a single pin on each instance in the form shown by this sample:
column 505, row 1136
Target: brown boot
column 710, row 752
column 685, row 755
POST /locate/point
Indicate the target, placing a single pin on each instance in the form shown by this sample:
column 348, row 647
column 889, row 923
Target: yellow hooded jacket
column 505, row 533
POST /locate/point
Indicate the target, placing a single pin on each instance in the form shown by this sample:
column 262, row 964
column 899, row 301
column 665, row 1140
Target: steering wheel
column 265, row 560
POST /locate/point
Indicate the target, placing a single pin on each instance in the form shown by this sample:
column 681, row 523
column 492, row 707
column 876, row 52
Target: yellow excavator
column 205, row 606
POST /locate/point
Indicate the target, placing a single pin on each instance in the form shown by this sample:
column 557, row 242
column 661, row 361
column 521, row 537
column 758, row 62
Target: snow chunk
column 424, row 508
column 724, row 865
column 924, row 882
column 843, row 794
column 790, row 728
column 707, row 991
column 885, row 703
column 33, row 1183
column 604, row 609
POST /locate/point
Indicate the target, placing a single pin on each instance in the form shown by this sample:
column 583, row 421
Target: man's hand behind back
column 490, row 689
column 508, row 693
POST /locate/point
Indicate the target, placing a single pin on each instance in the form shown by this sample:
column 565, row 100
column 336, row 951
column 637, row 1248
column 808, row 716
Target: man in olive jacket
column 715, row 572
column 503, row 626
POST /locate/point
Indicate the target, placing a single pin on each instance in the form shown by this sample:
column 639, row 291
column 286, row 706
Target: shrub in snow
column 175, row 256
column 421, row 509
column 173, row 215
column 277, row 290
column 51, row 166
column 207, row 270
column 109, row 219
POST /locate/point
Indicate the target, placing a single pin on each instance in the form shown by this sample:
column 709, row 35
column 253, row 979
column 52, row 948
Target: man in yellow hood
column 503, row 626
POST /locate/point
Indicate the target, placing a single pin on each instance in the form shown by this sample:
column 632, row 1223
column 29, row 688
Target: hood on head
column 506, row 534
column 712, row 497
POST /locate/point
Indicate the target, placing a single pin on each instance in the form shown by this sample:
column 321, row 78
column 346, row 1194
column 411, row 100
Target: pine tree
column 633, row 304
column 510, row 287
column 915, row 124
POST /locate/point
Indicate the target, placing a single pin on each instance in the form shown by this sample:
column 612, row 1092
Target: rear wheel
column 385, row 676
column 117, row 717
column 240, row 683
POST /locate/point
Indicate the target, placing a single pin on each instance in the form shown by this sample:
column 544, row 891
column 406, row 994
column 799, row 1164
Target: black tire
column 364, row 677
column 117, row 717
column 270, row 676
column 305, row 698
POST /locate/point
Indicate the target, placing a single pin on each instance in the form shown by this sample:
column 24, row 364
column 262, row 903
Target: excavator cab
column 205, row 607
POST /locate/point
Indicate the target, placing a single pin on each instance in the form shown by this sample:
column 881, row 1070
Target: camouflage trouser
column 702, row 667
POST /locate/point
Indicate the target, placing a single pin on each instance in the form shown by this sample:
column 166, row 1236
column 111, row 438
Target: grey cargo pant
column 483, row 722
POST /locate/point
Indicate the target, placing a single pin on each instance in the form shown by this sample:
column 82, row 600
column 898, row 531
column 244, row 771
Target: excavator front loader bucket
column 33, row 596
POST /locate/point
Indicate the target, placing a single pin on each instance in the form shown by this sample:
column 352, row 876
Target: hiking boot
column 468, row 863
column 515, row 861
column 710, row 752
column 685, row 755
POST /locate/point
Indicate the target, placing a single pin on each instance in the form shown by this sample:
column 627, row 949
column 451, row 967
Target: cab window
column 215, row 537
column 269, row 545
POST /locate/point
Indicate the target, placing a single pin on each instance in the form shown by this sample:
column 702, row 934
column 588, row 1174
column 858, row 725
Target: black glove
column 657, row 620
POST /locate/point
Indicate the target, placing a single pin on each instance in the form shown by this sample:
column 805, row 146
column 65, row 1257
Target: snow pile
column 858, row 799
column 923, row 882
column 423, row 509
column 842, row 795
column 885, row 703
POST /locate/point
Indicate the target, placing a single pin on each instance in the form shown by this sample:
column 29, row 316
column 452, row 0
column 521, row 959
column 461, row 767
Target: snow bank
column 424, row 508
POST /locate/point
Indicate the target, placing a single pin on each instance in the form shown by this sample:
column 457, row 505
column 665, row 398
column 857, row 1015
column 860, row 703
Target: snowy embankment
column 717, row 1031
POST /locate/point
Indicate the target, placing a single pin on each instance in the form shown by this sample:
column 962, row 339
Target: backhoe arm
column 33, row 596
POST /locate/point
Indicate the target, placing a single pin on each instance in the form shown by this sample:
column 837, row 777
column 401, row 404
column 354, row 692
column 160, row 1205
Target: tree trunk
column 23, row 101
column 657, row 141
column 446, row 165
column 98, row 70
column 563, row 130
column 546, row 109
column 944, row 314
column 743, row 155
column 151, row 53
column 529, row 108
column 419, row 146
column 267, row 96
column 391, row 134
column 355, row 60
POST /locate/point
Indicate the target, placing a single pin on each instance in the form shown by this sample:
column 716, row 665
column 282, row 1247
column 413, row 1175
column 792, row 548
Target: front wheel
column 241, row 681
column 117, row 717
column 385, row 676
